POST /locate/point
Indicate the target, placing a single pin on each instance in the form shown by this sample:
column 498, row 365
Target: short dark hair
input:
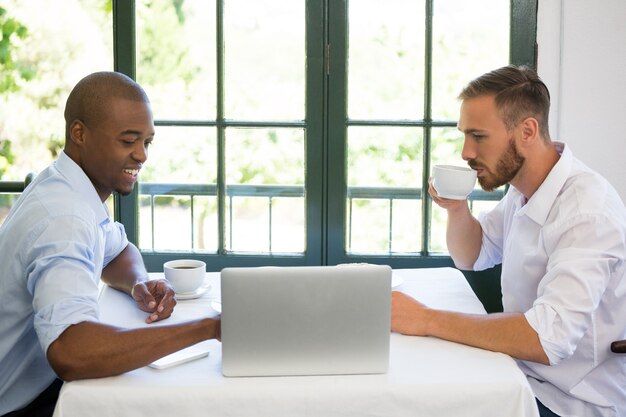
column 89, row 99
column 519, row 93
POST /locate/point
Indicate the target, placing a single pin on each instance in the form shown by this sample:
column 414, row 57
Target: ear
column 78, row 131
column 529, row 128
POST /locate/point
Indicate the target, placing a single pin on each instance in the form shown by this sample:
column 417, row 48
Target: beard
column 507, row 168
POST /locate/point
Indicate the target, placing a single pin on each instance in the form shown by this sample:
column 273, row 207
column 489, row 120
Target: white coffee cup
column 185, row 275
column 453, row 182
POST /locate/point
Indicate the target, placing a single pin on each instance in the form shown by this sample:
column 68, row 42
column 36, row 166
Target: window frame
column 522, row 52
column 325, row 127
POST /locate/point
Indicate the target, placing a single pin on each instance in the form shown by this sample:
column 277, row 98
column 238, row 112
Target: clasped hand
column 156, row 297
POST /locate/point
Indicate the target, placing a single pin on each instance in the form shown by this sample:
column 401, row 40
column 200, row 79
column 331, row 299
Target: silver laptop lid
column 318, row 320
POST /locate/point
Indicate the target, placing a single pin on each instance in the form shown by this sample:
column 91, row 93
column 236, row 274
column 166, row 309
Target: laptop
column 317, row 320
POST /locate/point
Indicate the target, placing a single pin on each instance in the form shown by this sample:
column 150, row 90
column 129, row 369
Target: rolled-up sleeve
column 63, row 274
column 586, row 252
column 52, row 320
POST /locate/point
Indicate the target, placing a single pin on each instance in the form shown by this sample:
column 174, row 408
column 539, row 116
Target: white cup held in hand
column 185, row 275
column 453, row 182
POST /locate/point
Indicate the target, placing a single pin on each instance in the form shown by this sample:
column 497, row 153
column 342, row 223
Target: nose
column 140, row 152
column 469, row 150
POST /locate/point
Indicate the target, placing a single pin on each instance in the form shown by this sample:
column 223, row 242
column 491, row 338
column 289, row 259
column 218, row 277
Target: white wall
column 582, row 59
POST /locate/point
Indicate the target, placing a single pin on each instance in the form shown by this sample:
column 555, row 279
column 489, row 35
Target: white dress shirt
column 53, row 246
column 563, row 265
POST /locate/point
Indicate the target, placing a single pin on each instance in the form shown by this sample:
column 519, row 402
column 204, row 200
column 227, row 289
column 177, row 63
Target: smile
column 132, row 172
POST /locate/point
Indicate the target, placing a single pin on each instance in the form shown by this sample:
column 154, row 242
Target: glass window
column 264, row 59
column 265, row 172
column 404, row 75
column 386, row 59
column 226, row 172
column 288, row 132
column 176, row 57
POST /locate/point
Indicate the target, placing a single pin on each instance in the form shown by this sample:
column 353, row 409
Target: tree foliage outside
column 11, row 73
column 63, row 43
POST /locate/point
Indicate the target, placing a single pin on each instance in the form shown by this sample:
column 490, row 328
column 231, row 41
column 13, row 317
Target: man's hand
column 155, row 297
column 408, row 316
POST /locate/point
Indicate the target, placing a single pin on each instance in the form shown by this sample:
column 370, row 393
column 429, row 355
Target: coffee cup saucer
column 195, row 294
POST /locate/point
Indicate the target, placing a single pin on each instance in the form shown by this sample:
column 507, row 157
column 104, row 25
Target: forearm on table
column 125, row 270
column 509, row 333
column 94, row 350
column 463, row 237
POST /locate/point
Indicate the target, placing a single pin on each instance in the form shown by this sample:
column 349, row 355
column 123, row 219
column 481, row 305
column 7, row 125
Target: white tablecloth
column 427, row 376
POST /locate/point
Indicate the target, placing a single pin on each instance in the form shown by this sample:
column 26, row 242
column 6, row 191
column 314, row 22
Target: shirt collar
column 81, row 183
column 541, row 202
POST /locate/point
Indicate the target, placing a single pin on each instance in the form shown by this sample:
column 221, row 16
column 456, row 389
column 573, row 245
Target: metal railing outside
column 270, row 192
column 9, row 192
column 16, row 186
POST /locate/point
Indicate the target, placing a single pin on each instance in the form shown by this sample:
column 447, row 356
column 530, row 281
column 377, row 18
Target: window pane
column 368, row 226
column 469, row 39
column 384, row 164
column 165, row 223
column 205, row 224
column 288, row 225
column 146, row 222
column 186, row 158
column 62, row 45
column 172, row 223
column 406, row 230
column 385, row 156
column 176, row 57
column 386, row 59
column 369, row 222
column 262, row 165
column 248, row 224
column 264, row 59
column 184, row 155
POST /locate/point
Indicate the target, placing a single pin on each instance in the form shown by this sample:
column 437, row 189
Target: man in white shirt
column 58, row 242
column 560, row 234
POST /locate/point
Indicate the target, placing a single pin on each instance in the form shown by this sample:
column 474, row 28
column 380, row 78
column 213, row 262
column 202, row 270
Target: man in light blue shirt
column 58, row 241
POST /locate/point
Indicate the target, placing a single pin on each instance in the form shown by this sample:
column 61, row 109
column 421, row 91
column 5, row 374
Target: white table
column 427, row 376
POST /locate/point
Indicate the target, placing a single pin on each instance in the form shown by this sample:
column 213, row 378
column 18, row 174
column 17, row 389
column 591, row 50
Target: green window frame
column 325, row 127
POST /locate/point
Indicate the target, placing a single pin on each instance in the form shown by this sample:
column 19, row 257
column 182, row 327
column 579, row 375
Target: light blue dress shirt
column 53, row 246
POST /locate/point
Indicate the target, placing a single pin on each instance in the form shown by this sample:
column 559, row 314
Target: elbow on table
column 66, row 367
column 464, row 259
column 541, row 358
column 67, row 362
column 536, row 352
column 463, row 266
